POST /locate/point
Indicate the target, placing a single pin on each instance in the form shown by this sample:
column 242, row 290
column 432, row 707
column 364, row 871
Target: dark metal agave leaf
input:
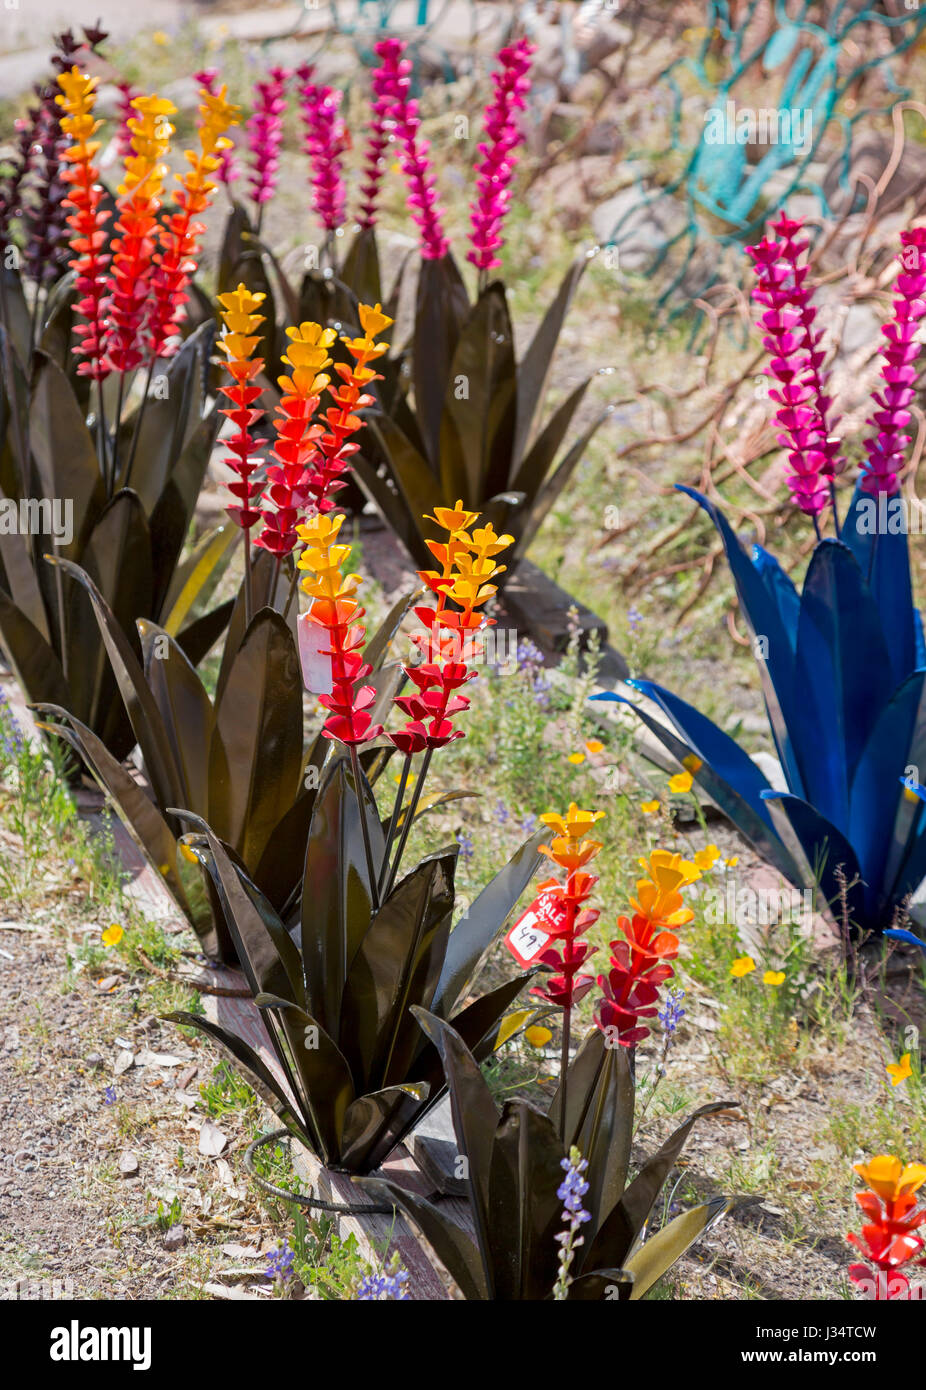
column 375, row 1123
column 397, row 964
column 35, row 664
column 258, row 1073
column 441, row 306
column 661, row 1251
column 534, row 369
column 525, row 1212
column 614, row 1240
column 63, row 449
column 477, row 432
column 139, row 702
column 189, row 719
column 599, row 1120
column 336, row 899
column 259, row 718
column 325, row 1081
column 455, row 1249
column 480, row 925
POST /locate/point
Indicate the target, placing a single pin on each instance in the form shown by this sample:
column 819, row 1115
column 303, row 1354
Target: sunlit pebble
column 590, row 255
column 339, row 231
column 606, row 371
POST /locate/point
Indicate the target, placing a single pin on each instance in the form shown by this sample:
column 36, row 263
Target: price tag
column 531, row 932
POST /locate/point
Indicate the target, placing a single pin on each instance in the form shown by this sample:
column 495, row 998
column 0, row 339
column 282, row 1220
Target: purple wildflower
column 671, row 1014
column 109, row 1095
column 570, row 1192
column 280, row 1263
column 466, row 845
column 502, row 814
column 374, row 1288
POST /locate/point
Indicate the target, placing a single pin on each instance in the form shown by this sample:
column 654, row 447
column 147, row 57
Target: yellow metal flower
column 658, row 895
column 453, row 518
column 886, row 1176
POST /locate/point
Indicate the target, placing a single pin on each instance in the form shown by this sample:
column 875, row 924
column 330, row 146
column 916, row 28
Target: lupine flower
column 496, row 165
column 571, row 849
column 377, row 139
column 888, row 1242
column 280, row 1263
column 531, row 663
column 286, row 490
column 780, row 288
column 467, row 561
column 180, row 233
column 324, row 142
column 502, row 814
column 239, row 312
column 672, row 1013
column 388, row 1284
column 570, row 1192
column 640, row 963
column 886, row 450
column 466, row 845
column 229, row 170
column 416, row 165
column 138, row 202
column 87, row 219
column 634, row 619
column 109, row 1095
column 265, row 134
column 334, row 449
column 331, row 635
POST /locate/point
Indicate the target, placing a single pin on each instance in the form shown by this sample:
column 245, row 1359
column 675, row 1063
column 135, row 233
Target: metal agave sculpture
column 335, row 980
column 843, row 661
column 515, row 1161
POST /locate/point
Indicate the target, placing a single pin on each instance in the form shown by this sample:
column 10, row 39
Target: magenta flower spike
column 795, row 365
column 496, row 165
column 229, row 170
column 374, row 162
column 886, row 451
column 325, row 142
column 416, row 165
column 265, row 134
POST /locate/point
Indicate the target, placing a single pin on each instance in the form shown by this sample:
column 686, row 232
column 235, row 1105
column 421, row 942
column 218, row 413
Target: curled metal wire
column 297, row 1198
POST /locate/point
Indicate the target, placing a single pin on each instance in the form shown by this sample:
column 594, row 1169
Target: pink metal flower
column 886, row 450
column 497, row 161
column 414, row 159
column 795, row 365
column 265, row 134
column 325, row 142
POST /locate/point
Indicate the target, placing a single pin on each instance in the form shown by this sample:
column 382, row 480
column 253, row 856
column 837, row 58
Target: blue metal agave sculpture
column 843, row 666
column 843, row 662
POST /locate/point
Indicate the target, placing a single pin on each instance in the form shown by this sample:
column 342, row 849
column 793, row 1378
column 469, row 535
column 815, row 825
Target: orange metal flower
column 286, row 492
column 87, row 220
column 571, row 850
column 139, row 200
column 334, row 452
column 239, row 312
column 180, row 234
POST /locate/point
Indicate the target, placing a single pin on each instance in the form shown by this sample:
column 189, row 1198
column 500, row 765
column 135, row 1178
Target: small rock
column 175, row 1238
column 124, row 1060
column 93, row 1059
column 128, row 1164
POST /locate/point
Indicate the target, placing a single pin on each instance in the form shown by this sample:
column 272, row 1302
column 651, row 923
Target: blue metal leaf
column 781, row 590
column 878, row 829
column 842, row 677
column 764, row 620
column 899, row 934
column 884, row 559
column 729, row 777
